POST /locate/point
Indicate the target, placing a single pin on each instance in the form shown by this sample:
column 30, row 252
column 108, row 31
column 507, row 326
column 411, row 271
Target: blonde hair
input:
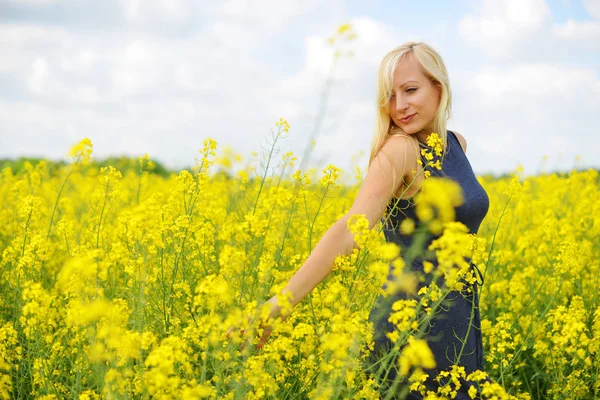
column 433, row 68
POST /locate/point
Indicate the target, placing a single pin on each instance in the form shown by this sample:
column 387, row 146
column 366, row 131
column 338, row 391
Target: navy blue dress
column 460, row 309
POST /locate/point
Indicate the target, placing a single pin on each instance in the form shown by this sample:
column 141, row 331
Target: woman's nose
column 401, row 104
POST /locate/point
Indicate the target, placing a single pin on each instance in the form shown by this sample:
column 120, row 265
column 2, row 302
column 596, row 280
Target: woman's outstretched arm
column 394, row 160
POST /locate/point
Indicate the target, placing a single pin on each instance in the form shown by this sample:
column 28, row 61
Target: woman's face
column 413, row 96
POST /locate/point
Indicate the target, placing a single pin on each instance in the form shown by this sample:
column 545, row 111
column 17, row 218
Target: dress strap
column 452, row 134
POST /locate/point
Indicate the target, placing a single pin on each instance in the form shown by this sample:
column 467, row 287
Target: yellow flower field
column 123, row 285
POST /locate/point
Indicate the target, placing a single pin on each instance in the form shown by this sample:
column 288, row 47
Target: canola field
column 123, row 285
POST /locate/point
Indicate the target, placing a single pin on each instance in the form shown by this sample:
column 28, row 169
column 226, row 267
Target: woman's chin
column 409, row 130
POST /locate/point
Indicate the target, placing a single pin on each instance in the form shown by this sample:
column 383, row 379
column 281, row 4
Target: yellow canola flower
column 404, row 315
column 302, row 178
column 434, row 141
column 358, row 225
column 388, row 251
column 330, row 175
column 436, row 202
column 81, row 152
column 282, row 126
column 96, row 277
column 407, row 226
column 416, row 354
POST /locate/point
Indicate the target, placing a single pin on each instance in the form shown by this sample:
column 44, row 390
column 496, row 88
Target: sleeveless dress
column 461, row 309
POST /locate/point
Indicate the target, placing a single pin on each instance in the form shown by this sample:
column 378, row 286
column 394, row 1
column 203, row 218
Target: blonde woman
column 413, row 100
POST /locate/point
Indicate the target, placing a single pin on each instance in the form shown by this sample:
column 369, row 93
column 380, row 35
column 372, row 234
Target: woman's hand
column 267, row 329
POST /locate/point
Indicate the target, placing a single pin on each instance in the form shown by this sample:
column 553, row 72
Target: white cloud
column 592, row 7
column 582, row 33
column 525, row 29
column 158, row 81
column 503, row 28
column 533, row 81
column 169, row 10
column 132, row 85
column 270, row 15
column 36, row 3
column 519, row 113
column 22, row 43
column 38, row 75
column 585, row 33
column 537, row 100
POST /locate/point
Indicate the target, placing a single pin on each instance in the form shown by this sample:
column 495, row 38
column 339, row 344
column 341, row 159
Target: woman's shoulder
column 402, row 144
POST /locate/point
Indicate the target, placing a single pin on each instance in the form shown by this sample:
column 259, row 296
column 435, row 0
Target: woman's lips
column 407, row 119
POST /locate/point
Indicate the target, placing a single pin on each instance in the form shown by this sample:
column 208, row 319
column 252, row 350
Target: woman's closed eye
column 409, row 90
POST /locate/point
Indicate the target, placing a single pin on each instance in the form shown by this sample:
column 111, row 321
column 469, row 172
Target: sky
column 161, row 76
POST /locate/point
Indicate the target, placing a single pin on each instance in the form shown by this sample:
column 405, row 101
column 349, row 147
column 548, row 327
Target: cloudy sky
column 160, row 76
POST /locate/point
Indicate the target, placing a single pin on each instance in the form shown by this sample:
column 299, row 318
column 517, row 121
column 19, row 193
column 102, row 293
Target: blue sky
column 160, row 76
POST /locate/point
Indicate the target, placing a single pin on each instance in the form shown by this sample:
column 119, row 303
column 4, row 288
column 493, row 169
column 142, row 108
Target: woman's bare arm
column 395, row 158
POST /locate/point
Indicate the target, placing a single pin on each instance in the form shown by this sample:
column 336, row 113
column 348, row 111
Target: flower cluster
column 123, row 284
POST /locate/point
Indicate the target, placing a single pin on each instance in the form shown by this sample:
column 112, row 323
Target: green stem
column 102, row 214
column 264, row 177
column 56, row 203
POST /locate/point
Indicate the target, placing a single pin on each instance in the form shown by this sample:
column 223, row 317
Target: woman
column 413, row 100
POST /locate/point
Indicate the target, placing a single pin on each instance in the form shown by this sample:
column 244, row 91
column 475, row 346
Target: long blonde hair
column 433, row 68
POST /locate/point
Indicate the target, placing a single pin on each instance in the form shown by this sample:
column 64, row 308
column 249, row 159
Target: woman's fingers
column 233, row 328
column 264, row 337
column 267, row 330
